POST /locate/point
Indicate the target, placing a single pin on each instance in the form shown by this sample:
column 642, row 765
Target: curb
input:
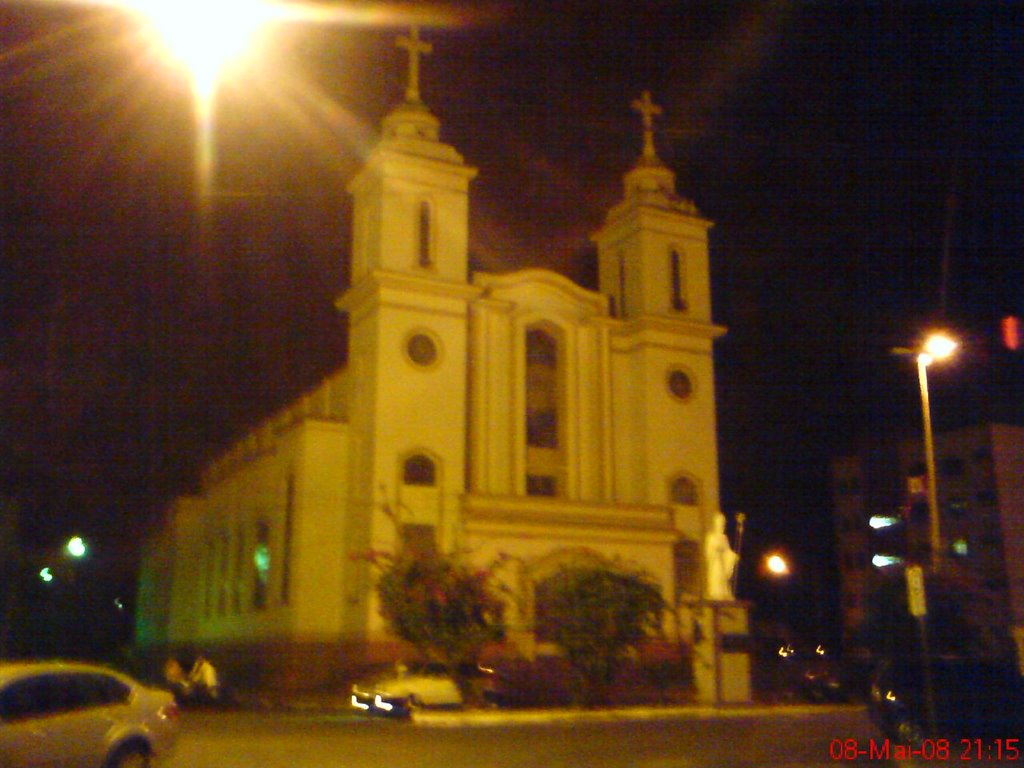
column 489, row 718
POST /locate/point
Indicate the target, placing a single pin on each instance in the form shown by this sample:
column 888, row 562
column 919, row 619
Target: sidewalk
column 493, row 717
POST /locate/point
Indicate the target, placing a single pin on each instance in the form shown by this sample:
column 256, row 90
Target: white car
column 81, row 716
column 398, row 694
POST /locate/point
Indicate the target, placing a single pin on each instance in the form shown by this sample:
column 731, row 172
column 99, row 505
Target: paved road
column 787, row 738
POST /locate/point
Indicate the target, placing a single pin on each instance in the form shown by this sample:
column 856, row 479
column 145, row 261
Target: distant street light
column 938, row 346
column 776, row 564
column 76, row 547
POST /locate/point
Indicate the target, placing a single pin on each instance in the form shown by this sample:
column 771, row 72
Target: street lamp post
column 936, row 347
column 934, row 530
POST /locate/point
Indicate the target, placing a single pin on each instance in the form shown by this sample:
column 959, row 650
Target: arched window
column 545, row 443
column 419, row 470
column 261, row 565
column 286, row 545
column 223, row 570
column 683, row 491
column 544, row 614
column 541, row 389
column 621, row 262
column 424, row 257
column 678, row 267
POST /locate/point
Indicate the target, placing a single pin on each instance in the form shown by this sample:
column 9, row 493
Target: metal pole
column 929, row 457
column 740, row 520
column 926, row 672
column 917, row 603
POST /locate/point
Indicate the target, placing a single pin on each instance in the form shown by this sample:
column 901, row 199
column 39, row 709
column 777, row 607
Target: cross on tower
column 647, row 109
column 416, row 48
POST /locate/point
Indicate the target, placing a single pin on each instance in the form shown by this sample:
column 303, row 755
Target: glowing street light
column 205, row 37
column 76, row 547
column 776, row 564
column 938, row 346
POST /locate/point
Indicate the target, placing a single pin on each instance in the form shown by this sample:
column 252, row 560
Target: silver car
column 81, row 716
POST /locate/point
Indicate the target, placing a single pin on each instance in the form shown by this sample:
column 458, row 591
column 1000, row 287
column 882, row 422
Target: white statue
column 720, row 560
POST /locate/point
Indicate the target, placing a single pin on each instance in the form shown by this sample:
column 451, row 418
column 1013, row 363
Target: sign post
column 917, row 603
column 916, row 600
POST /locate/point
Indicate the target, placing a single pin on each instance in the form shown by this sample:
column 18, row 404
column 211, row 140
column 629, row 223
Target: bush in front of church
column 598, row 616
column 447, row 610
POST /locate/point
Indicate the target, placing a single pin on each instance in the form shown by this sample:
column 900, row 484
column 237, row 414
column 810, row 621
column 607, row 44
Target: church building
column 516, row 417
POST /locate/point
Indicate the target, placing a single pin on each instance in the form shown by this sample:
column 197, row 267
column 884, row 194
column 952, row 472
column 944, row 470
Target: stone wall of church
column 665, row 425
column 511, row 307
column 258, row 554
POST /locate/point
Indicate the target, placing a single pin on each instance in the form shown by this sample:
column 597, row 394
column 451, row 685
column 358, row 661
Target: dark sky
column 841, row 148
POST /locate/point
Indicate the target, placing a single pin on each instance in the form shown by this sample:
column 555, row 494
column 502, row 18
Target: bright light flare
column 205, row 37
column 777, row 565
column 938, row 346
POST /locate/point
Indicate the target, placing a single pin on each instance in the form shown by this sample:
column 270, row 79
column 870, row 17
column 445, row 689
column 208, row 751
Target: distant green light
column 261, row 559
column 46, row 574
column 76, row 547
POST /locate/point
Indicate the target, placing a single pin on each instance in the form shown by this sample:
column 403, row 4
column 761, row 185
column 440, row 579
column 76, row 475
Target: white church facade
column 515, row 416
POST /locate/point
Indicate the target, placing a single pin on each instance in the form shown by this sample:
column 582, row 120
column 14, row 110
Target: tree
column 447, row 610
column 597, row 615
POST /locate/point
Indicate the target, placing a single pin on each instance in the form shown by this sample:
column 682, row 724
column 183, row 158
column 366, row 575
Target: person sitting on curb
column 177, row 680
column 204, row 681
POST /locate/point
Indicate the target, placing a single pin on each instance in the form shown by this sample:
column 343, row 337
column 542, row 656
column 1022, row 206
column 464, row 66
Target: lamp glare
column 204, row 37
column 938, row 346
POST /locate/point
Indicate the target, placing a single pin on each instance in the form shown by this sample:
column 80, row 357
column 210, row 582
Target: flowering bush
column 447, row 610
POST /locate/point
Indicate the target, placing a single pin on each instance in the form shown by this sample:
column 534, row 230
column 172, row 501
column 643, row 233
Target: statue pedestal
column 721, row 652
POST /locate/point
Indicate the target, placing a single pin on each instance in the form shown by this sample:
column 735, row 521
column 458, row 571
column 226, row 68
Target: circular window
column 679, row 385
column 421, row 349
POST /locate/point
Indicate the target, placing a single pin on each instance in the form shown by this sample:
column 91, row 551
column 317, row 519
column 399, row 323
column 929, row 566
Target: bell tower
column 653, row 247
column 653, row 265
column 407, row 369
column 411, row 198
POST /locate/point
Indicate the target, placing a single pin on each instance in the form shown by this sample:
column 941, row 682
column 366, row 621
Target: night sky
column 863, row 163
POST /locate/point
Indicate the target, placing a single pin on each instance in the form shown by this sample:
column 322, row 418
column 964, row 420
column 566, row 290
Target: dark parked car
column 971, row 700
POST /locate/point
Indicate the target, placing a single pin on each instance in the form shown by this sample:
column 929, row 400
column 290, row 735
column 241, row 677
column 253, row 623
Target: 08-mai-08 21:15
column 937, row 750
